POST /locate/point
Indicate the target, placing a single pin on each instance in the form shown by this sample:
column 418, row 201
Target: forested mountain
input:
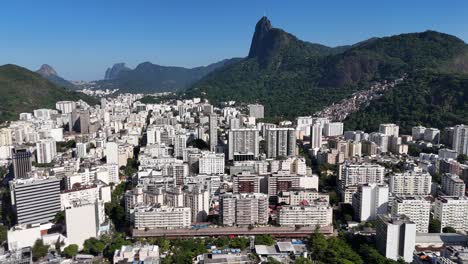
column 152, row 78
column 49, row 73
column 292, row 77
column 22, row 90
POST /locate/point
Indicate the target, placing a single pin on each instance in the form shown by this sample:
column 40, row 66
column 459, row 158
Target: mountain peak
column 262, row 28
column 115, row 70
column 47, row 70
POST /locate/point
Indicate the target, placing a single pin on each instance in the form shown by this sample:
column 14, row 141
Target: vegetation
column 434, row 225
column 282, row 71
column 115, row 210
column 70, row 251
column 66, row 145
column 449, row 229
column 264, row 240
column 39, row 249
column 93, row 246
column 22, row 90
column 59, row 217
column 425, row 98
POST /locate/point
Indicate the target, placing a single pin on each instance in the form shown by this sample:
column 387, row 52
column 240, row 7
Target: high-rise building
column 389, row 129
column 46, row 151
column 333, row 129
column 410, row 183
column 369, row 201
column 6, row 137
column 211, row 163
column 22, row 162
column 396, row 237
column 112, row 153
column 65, row 107
column 198, row 201
column 432, row 135
column 243, row 144
column 460, row 139
column 213, row 129
column 418, row 133
column 452, row 185
column 316, row 136
column 81, row 150
column 161, row 217
column 244, row 209
column 355, row 174
column 280, row 142
column 180, row 145
column 256, row 110
column 381, row 140
column 35, row 200
column 416, row 208
column 318, row 213
column 452, row 211
column 82, row 222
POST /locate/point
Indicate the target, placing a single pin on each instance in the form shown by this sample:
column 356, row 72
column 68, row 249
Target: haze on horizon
column 81, row 39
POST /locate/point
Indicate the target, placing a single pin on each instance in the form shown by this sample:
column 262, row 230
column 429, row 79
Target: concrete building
column 389, row 129
column 46, row 151
column 256, row 110
column 410, row 183
column 198, row 200
column 180, row 145
column 299, row 196
column 65, row 107
column 81, row 150
column 112, row 153
column 369, row 201
column 315, row 136
column 280, row 142
column 213, row 130
column 211, row 163
column 460, row 139
column 244, row 209
column 452, row 185
column 243, row 144
column 137, row 254
column 82, row 222
column 396, row 237
column 22, row 163
column 452, row 211
column 333, row 129
column 35, row 201
column 355, row 174
column 162, row 217
column 416, row 208
column 318, row 213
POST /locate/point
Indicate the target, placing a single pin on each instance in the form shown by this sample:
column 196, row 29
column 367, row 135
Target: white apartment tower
column 396, row 237
column 370, row 200
column 416, row 208
column 46, row 151
column 281, row 142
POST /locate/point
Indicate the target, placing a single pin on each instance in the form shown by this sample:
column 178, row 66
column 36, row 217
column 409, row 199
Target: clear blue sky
column 80, row 39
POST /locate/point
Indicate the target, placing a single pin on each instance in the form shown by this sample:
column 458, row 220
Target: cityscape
column 298, row 153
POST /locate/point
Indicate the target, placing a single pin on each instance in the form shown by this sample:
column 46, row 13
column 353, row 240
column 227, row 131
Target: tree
column 39, row 250
column 59, row 217
column 272, row 260
column 434, row 226
column 462, row 158
column 3, row 233
column 448, row 229
column 302, row 260
column 93, row 246
column 318, row 244
column 70, row 251
column 264, row 240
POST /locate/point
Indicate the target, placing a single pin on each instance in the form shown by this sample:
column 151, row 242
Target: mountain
column 151, row 78
column 291, row 77
column 426, row 98
column 22, row 90
column 113, row 72
column 48, row 72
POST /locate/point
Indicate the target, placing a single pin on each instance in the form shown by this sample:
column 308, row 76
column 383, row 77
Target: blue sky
column 80, row 39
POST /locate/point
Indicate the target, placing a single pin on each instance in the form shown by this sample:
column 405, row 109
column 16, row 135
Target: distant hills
column 151, row 78
column 49, row 73
column 22, row 90
column 292, row 77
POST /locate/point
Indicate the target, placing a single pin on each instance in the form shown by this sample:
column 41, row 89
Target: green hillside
column 292, row 77
column 426, row 98
column 22, row 90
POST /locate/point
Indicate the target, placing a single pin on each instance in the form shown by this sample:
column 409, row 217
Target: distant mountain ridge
column 22, row 90
column 150, row 78
column 292, row 77
column 48, row 72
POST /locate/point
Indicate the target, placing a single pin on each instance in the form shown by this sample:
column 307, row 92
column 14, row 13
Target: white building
column 416, row 208
column 243, row 144
column 315, row 136
column 410, row 183
column 396, row 237
column 162, row 217
column 333, row 129
column 460, row 139
column 46, row 151
column 82, row 221
column 141, row 254
column 256, row 110
column 452, row 185
column 280, row 142
column 452, row 211
column 297, row 197
column 112, row 153
column 389, row 129
column 65, row 107
column 211, row 163
column 318, row 213
column 81, row 150
column 369, row 201
column 244, row 209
